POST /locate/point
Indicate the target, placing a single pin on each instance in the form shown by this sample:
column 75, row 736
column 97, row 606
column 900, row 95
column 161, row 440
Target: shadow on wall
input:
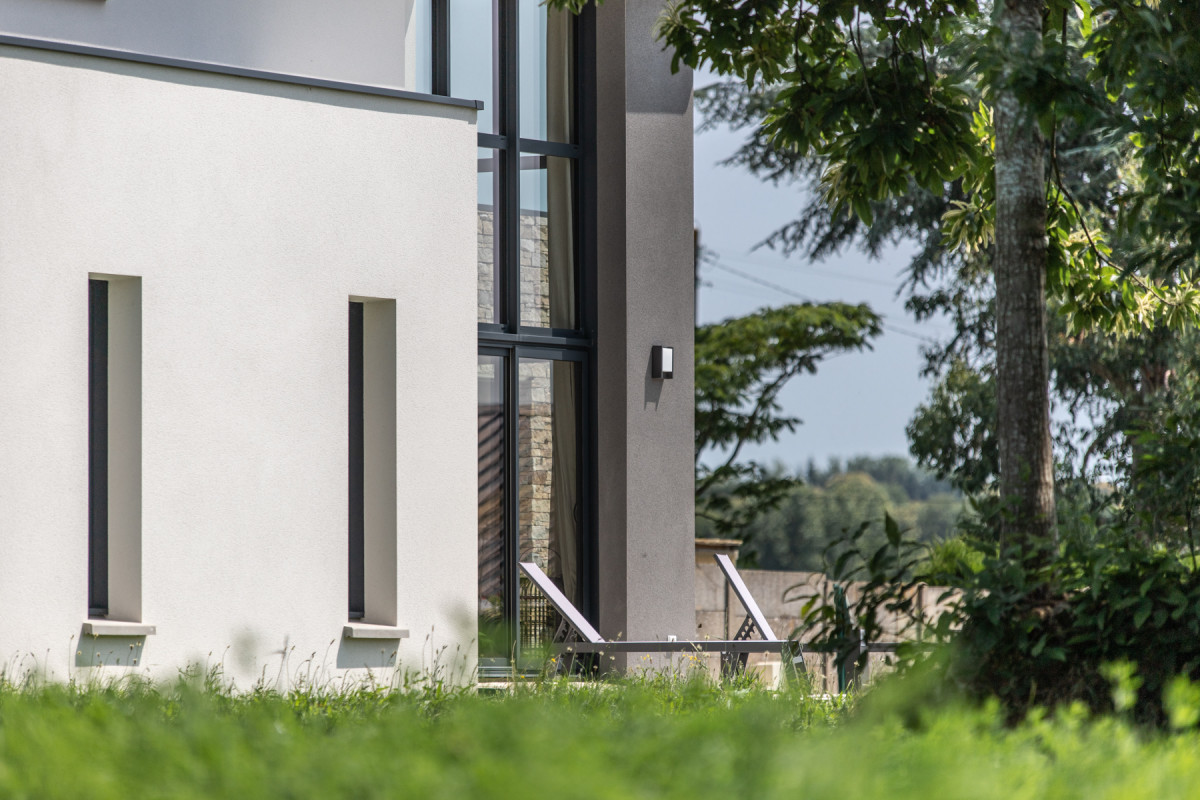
column 367, row 653
column 109, row 651
column 653, row 387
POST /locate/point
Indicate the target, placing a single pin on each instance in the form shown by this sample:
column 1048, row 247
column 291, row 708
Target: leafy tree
column 953, row 432
column 741, row 366
column 1165, row 475
column 947, row 97
column 1106, row 385
column 860, row 90
column 1113, row 390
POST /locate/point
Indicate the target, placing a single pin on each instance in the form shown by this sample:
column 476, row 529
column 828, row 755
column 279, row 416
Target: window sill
column 104, row 627
column 365, row 630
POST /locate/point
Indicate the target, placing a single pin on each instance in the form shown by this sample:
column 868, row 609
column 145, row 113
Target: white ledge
column 104, row 627
column 365, row 630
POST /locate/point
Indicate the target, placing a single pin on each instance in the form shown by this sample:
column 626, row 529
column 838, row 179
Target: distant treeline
column 839, row 498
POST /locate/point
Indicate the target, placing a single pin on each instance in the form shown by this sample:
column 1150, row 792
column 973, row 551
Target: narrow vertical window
column 97, row 448
column 372, row 432
column 357, row 467
column 115, row 448
column 440, row 31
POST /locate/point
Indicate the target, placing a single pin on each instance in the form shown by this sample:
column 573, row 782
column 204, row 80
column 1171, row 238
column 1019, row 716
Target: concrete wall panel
column 645, row 297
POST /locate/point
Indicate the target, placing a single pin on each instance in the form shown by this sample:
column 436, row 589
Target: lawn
column 634, row 739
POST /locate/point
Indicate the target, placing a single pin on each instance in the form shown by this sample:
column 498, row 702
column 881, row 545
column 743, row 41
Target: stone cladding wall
column 535, row 424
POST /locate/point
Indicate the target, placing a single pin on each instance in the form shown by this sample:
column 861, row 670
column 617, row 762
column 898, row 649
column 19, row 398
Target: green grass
column 636, row 739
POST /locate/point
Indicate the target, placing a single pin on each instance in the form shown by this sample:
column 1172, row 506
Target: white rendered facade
column 251, row 212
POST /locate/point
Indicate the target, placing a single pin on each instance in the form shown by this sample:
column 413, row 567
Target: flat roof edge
column 240, row 72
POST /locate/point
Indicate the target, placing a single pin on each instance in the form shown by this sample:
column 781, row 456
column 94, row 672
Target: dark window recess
column 441, row 47
column 97, row 448
column 357, row 494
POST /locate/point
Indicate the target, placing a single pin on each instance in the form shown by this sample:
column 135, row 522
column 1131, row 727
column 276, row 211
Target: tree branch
column 862, row 62
column 764, row 398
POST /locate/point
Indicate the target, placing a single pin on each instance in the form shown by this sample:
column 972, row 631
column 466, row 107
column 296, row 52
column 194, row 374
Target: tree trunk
column 1022, row 360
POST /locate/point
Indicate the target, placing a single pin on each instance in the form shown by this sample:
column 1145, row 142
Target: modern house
column 317, row 316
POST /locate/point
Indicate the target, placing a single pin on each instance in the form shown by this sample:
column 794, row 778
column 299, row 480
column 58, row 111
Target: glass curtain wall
column 523, row 59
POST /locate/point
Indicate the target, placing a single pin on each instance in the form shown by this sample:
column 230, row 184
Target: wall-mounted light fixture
column 662, row 363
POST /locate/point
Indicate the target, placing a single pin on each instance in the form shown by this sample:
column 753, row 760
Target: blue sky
column 857, row 403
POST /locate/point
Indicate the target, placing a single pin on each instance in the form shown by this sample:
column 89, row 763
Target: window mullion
column 511, row 159
column 545, row 148
column 512, row 502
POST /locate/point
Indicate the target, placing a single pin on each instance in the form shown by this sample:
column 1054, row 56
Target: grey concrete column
column 645, row 296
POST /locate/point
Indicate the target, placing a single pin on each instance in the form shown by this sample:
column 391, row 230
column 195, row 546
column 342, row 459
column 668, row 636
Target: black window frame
column 511, row 358
column 97, row 591
column 356, row 524
column 509, row 338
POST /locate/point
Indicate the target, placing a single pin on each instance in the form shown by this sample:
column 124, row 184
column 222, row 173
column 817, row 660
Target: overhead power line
column 825, row 273
column 785, row 290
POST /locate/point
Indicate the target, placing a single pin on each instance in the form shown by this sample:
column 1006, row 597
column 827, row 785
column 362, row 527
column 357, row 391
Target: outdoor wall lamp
column 662, row 362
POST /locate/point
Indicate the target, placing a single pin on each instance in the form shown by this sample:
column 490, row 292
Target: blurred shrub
column 1034, row 626
column 657, row 737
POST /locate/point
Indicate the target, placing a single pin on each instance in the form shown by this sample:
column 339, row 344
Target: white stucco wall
column 251, row 211
column 377, row 42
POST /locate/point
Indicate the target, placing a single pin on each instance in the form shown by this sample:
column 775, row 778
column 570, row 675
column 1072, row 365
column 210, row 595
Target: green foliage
column 952, row 562
column 1105, row 385
column 741, row 366
column 834, row 500
column 1041, row 638
column 1182, row 702
column 953, row 432
column 638, row 738
column 1116, row 92
column 903, row 482
column 654, row 737
column 857, row 85
column 1165, row 492
column 888, row 571
column 795, row 536
column 742, row 363
column 1034, row 631
column 1145, row 89
column 887, row 99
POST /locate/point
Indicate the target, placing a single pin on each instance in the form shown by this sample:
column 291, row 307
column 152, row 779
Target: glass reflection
column 548, row 455
column 418, row 65
column 547, row 61
column 473, row 56
column 547, row 242
column 493, row 636
column 490, row 281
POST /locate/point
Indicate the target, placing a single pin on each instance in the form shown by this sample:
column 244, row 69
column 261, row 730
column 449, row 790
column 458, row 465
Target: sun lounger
column 577, row 635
